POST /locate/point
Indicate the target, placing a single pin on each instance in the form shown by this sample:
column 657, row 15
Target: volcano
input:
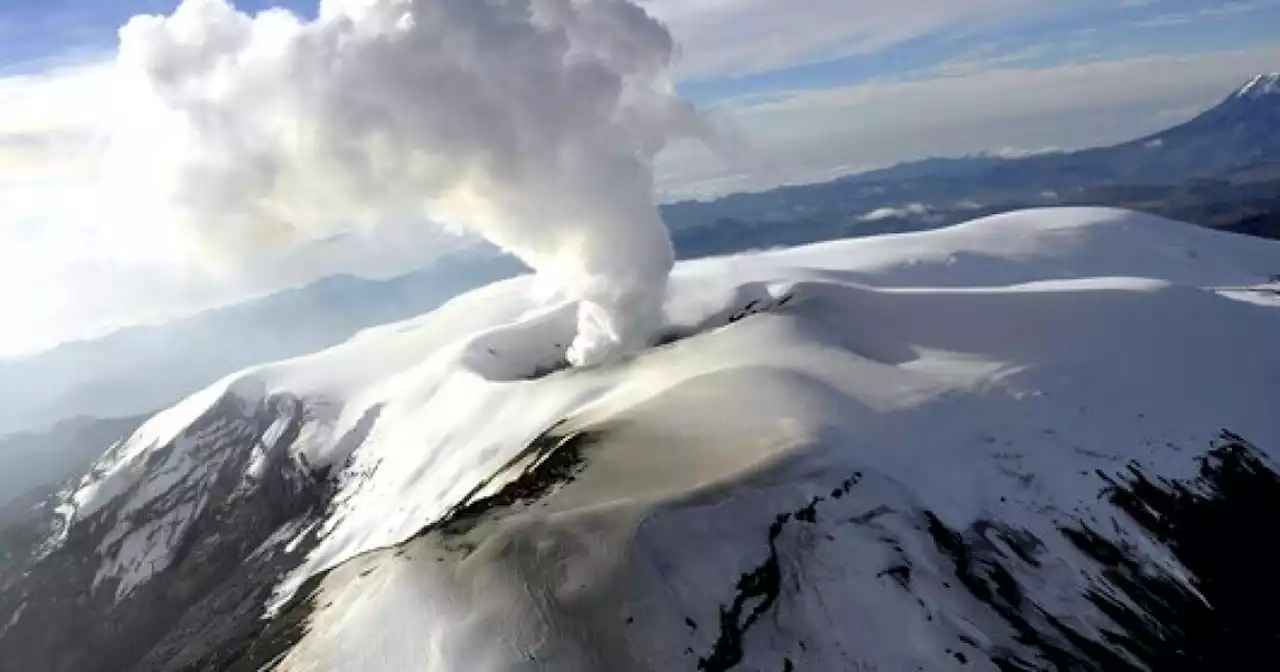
column 1040, row 440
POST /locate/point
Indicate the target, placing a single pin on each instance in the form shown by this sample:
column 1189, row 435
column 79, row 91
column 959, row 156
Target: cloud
column 740, row 37
column 1019, row 152
column 987, row 58
column 67, row 270
column 889, row 213
column 49, row 123
column 1218, row 12
column 67, row 274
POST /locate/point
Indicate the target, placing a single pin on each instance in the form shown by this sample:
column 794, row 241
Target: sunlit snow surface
column 984, row 371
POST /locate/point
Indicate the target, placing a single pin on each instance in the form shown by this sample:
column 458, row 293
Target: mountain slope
column 1238, row 132
column 883, row 453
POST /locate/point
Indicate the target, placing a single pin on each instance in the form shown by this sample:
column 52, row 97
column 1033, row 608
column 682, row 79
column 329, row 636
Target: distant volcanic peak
column 1262, row 85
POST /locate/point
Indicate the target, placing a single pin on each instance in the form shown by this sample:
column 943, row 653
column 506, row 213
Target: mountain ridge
column 909, row 433
column 1122, row 162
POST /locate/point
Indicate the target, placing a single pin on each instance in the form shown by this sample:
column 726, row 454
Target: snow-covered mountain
column 1041, row 440
column 1239, row 131
column 1265, row 84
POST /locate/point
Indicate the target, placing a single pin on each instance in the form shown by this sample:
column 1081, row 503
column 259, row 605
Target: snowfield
column 782, row 484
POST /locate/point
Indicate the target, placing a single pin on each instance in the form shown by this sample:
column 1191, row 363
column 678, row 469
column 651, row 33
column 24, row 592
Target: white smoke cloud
column 532, row 122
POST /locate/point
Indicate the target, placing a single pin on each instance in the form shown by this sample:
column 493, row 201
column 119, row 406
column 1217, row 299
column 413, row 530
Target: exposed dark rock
column 214, row 587
column 900, row 573
column 1221, row 527
column 986, row 572
column 549, row 461
column 203, row 611
column 1218, row 526
column 758, row 588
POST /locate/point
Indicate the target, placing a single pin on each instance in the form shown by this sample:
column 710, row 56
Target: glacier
column 884, row 453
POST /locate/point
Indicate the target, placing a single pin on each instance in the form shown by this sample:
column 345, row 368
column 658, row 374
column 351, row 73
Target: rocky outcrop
column 221, row 563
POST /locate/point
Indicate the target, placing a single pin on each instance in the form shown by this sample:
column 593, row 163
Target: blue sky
column 809, row 90
column 1083, row 31
column 38, row 34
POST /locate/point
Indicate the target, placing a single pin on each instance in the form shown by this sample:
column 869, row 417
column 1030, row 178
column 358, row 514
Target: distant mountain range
column 33, row 460
column 140, row 369
column 1220, row 169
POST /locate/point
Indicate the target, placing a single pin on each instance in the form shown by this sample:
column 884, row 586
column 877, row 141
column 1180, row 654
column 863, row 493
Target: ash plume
column 531, row 122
